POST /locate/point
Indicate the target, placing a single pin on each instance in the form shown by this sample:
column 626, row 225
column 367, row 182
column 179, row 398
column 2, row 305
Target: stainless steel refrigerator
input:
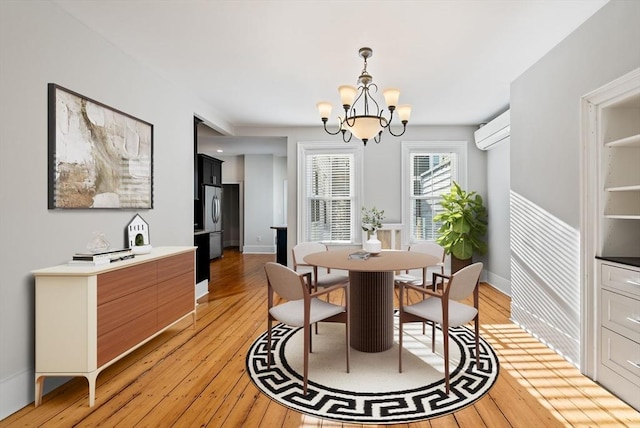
column 213, row 219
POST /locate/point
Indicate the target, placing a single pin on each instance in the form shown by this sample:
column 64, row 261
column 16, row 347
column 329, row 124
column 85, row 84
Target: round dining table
column 371, row 291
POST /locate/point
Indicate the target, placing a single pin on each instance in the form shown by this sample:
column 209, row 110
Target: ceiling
column 267, row 63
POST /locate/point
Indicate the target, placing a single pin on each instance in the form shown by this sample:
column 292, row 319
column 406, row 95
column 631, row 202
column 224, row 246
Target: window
column 330, row 180
column 428, row 170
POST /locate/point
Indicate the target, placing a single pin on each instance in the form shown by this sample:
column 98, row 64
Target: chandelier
column 367, row 122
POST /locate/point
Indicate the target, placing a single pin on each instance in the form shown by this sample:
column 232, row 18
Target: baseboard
column 202, row 288
column 18, row 391
column 259, row 249
column 499, row 283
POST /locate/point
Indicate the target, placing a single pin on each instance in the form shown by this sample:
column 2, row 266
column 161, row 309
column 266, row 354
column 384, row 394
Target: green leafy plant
column 464, row 223
column 372, row 219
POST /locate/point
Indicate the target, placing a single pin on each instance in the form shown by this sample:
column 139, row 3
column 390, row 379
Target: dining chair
column 418, row 276
column 415, row 277
column 443, row 307
column 322, row 277
column 302, row 308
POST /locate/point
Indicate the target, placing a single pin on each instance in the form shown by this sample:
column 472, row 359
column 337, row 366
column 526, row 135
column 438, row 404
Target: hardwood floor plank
column 197, row 377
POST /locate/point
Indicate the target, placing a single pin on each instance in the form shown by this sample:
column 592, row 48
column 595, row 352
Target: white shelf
column 631, row 188
column 623, row 217
column 631, row 141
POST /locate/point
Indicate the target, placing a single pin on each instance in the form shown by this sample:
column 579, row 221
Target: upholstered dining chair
column 322, row 277
column 302, row 308
column 443, row 307
column 415, row 277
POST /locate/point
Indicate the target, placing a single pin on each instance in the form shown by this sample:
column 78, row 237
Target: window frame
column 306, row 149
column 411, row 147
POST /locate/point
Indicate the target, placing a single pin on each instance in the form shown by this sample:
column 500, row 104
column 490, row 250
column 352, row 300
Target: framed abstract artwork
column 99, row 157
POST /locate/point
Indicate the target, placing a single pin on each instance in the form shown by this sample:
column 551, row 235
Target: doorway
column 231, row 215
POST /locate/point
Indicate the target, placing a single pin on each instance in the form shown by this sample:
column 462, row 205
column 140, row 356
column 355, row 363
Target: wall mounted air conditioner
column 493, row 132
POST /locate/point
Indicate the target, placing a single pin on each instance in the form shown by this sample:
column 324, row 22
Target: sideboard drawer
column 621, row 279
column 126, row 309
column 175, row 298
column 175, row 266
column 115, row 284
column 621, row 355
column 124, row 337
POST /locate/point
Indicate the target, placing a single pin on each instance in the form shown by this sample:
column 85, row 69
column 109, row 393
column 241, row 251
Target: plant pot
column 457, row 264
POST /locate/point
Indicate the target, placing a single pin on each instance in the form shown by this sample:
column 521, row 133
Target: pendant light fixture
column 365, row 122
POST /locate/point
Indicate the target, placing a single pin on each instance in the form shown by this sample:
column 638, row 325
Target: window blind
column 432, row 174
column 330, row 197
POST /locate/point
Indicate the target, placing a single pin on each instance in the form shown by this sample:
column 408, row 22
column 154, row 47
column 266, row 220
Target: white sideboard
column 89, row 317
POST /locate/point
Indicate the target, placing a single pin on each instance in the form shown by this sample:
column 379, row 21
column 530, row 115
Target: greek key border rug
column 373, row 392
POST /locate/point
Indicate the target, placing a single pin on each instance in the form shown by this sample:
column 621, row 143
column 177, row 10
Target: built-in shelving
column 615, row 115
column 621, row 161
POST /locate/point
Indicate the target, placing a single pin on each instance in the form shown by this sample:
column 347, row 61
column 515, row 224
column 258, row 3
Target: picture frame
column 99, row 157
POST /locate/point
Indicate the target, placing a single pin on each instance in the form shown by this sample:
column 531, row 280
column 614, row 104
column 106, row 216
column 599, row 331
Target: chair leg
column 400, row 344
column 445, row 336
column 269, row 344
column 433, row 337
column 307, row 340
column 477, row 323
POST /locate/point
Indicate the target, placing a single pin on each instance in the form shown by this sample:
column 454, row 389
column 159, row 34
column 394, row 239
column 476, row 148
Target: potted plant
column 372, row 221
column 464, row 223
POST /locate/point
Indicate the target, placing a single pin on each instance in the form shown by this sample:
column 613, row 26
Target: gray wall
column 39, row 44
column 545, row 170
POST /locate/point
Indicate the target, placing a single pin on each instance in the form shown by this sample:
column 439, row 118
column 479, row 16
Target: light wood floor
column 196, row 377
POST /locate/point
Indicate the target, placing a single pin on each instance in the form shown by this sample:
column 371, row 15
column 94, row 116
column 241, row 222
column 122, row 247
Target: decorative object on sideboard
column 99, row 157
column 98, row 244
column 463, row 225
column 138, row 235
column 372, row 221
column 362, row 123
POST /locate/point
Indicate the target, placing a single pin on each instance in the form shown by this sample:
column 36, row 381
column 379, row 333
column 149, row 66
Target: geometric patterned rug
column 373, row 392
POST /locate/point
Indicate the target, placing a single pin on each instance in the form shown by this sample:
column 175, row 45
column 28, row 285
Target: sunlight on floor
column 579, row 400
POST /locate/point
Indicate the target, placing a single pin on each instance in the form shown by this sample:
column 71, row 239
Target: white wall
column 545, row 170
column 497, row 201
column 258, row 204
column 39, row 44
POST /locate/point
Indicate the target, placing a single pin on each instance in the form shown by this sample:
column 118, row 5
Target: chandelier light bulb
column 347, row 94
column 404, row 112
column 324, row 108
column 391, row 96
column 365, row 121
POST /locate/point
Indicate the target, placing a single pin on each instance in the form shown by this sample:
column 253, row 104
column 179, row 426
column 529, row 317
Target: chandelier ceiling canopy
column 365, row 122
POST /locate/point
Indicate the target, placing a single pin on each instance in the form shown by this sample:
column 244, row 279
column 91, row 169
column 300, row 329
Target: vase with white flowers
column 371, row 222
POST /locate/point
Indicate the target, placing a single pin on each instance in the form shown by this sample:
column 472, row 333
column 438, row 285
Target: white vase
column 373, row 245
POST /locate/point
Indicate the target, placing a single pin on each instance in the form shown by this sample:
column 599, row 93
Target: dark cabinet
column 201, row 240
column 209, row 170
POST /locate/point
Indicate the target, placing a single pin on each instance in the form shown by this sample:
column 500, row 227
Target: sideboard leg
column 39, row 388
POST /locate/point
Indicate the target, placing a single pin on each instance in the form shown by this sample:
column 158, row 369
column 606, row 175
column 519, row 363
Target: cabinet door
column 206, row 171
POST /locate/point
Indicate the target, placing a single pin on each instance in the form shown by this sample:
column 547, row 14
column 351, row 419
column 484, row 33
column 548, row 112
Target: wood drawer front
column 126, row 336
column 115, row 284
column 626, row 280
column 175, row 299
column 121, row 311
column 621, row 314
column 171, row 267
column 621, row 355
